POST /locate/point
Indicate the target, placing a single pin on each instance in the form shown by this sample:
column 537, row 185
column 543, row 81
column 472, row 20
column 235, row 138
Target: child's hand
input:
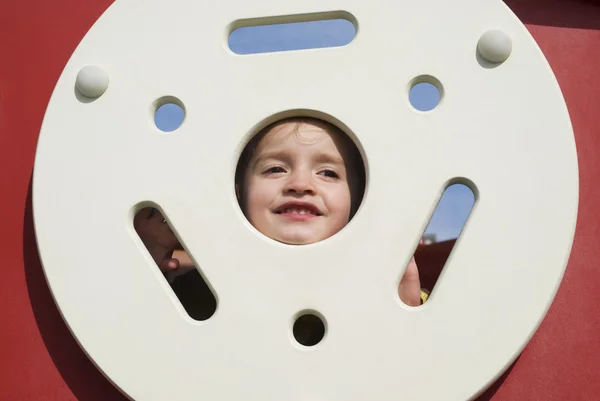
column 409, row 289
column 158, row 237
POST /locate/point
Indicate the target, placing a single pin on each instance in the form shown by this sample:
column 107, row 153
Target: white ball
column 495, row 46
column 92, row 81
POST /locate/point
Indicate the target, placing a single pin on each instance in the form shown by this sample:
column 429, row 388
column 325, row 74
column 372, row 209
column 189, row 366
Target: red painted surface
column 40, row 360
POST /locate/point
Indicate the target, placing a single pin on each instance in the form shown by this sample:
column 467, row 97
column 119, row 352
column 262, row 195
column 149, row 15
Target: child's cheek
column 340, row 205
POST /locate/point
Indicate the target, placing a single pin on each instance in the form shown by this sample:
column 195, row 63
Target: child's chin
column 299, row 238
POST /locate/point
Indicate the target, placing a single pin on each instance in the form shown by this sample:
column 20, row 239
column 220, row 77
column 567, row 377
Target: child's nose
column 300, row 182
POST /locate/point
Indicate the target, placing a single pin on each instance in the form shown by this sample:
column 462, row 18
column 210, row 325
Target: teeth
column 298, row 211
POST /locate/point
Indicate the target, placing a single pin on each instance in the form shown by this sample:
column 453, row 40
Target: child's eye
column 274, row 170
column 330, row 174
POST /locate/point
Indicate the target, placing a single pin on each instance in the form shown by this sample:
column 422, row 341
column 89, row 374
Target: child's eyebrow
column 329, row 158
column 279, row 154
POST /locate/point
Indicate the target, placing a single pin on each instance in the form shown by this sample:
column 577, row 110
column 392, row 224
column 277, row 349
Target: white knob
column 92, row 81
column 495, row 46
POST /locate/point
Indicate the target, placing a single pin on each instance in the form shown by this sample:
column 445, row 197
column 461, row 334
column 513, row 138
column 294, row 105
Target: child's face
column 296, row 188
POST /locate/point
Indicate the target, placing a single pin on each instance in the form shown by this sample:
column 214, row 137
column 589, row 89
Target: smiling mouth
column 298, row 209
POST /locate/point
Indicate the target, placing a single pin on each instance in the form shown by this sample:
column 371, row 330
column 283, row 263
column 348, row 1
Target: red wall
column 40, row 360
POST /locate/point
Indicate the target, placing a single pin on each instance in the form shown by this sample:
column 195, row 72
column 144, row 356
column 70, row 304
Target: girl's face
column 296, row 188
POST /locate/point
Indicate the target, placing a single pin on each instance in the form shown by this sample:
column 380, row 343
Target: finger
column 169, row 265
column 173, row 264
column 409, row 289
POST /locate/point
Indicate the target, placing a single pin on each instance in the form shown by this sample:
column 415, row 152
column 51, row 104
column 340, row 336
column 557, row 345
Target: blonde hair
column 350, row 154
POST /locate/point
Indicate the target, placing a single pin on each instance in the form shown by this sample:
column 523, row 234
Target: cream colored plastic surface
column 504, row 127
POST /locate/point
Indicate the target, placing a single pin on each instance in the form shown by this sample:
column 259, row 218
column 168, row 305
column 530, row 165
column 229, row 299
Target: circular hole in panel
column 169, row 113
column 293, row 202
column 425, row 93
column 309, row 328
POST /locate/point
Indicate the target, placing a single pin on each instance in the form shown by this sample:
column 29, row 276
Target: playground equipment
column 502, row 128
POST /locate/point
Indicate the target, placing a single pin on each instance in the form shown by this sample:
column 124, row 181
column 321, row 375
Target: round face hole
column 169, row 116
column 425, row 96
column 300, row 180
column 309, row 329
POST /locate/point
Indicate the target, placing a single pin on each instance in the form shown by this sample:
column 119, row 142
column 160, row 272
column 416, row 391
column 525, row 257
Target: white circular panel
column 505, row 128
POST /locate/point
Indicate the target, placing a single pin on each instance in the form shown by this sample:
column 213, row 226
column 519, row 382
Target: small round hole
column 309, row 329
column 169, row 116
column 425, row 96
